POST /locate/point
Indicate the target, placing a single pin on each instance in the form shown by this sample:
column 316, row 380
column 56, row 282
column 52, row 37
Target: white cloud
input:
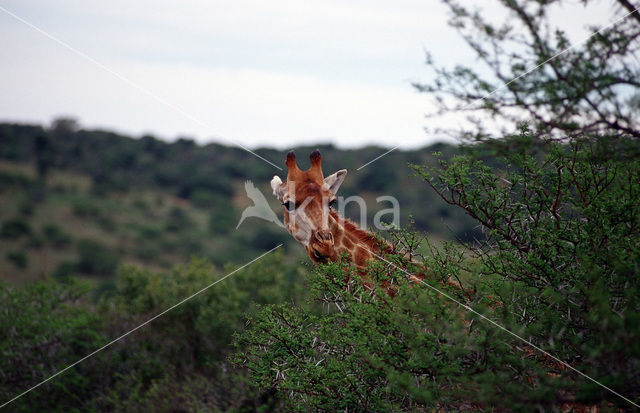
column 253, row 107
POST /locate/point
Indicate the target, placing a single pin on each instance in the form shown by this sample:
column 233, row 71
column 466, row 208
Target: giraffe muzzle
column 322, row 244
column 324, row 237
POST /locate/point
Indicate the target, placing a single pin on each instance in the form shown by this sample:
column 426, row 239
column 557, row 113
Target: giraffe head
column 306, row 197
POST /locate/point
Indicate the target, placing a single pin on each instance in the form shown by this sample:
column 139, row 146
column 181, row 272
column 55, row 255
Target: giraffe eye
column 333, row 203
column 290, row 206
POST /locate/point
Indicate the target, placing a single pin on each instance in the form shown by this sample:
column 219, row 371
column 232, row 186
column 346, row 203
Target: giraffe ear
column 334, row 181
column 275, row 184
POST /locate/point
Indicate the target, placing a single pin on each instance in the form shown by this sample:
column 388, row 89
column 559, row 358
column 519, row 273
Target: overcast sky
column 261, row 73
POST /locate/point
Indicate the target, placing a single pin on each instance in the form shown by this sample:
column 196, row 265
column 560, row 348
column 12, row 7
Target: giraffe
column 309, row 202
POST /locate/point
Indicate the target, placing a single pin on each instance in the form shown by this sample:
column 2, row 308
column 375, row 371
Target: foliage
column 177, row 220
column 222, row 219
column 18, row 258
column 44, row 327
column 85, row 207
column 177, row 362
column 558, row 201
column 564, row 238
column 183, row 354
column 15, row 228
column 95, row 258
column 56, row 236
column 354, row 349
column 528, row 71
column 14, row 179
column 160, row 203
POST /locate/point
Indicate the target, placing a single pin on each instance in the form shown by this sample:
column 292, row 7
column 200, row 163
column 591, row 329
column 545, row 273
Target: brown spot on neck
column 358, row 243
column 360, row 256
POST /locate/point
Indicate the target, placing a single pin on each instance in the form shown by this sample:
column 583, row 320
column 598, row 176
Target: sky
column 247, row 72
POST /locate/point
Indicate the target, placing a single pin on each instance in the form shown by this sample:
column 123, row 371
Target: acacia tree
column 589, row 88
column 558, row 197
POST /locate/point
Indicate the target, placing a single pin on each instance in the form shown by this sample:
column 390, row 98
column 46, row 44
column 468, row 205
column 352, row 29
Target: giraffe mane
column 361, row 235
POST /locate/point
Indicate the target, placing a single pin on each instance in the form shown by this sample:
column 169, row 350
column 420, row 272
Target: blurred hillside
column 82, row 202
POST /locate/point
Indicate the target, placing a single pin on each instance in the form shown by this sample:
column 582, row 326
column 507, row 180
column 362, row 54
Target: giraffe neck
column 361, row 246
column 349, row 239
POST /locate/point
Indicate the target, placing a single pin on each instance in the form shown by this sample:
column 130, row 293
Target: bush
column 15, row 228
column 85, row 208
column 27, row 208
column 180, row 361
column 559, row 269
column 222, row 218
column 64, row 270
column 107, row 223
column 177, row 363
column 178, row 220
column 14, row 179
column 44, row 327
column 56, row 236
column 95, row 259
column 564, row 241
column 18, row 258
column 365, row 351
column 204, row 198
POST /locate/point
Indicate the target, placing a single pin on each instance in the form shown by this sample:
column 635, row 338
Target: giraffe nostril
column 324, row 236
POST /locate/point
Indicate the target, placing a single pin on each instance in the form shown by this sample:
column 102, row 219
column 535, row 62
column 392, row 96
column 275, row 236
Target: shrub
column 141, row 204
column 64, row 270
column 364, row 351
column 15, row 228
column 179, row 363
column 27, row 208
column 178, row 220
column 203, row 198
column 18, row 258
column 222, row 218
column 564, row 241
column 44, row 327
column 56, row 236
column 14, row 179
column 95, row 259
column 85, row 208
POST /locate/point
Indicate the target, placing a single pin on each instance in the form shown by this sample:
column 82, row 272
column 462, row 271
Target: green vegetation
column 538, row 220
column 558, row 263
column 168, row 202
column 15, row 228
column 559, row 268
column 178, row 363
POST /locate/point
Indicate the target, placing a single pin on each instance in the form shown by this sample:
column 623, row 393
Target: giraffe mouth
column 321, row 253
column 322, row 256
column 322, row 247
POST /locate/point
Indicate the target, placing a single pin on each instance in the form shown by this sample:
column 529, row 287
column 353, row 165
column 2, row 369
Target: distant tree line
column 208, row 175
